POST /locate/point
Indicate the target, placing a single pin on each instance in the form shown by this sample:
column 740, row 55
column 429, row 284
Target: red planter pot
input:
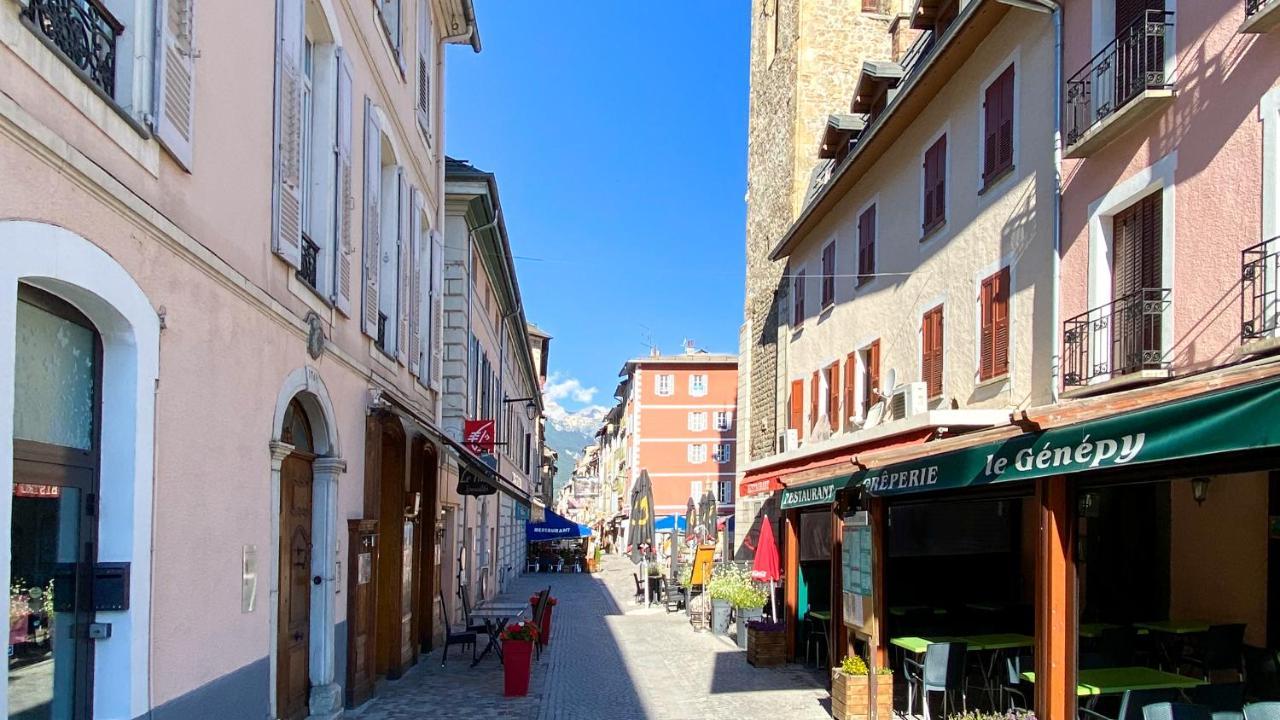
column 517, row 662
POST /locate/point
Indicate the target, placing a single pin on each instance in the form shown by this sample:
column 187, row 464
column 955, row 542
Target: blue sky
column 617, row 131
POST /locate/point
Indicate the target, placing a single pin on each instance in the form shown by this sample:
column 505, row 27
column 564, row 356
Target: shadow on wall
column 746, row 549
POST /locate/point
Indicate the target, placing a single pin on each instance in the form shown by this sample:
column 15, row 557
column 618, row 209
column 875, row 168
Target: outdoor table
column 1175, row 627
column 994, row 643
column 901, row 610
column 824, row 615
column 1110, row 681
column 495, row 620
column 504, row 605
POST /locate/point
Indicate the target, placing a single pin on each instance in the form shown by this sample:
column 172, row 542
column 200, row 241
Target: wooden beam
column 1056, row 630
column 791, row 573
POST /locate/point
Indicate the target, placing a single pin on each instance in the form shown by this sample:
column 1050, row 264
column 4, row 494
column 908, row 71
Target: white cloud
column 559, row 388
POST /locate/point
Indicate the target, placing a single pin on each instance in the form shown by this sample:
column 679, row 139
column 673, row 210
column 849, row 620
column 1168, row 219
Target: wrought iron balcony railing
column 85, row 31
column 1130, row 65
column 382, row 331
column 1121, row 337
column 307, row 271
column 1259, row 275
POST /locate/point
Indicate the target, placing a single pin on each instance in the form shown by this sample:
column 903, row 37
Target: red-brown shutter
column 991, row 121
column 798, row 318
column 833, row 396
column 813, row 399
column 998, row 131
column 797, row 407
column 931, row 353
column 1000, row 321
column 869, row 396
column 829, row 274
column 867, row 245
column 850, row 370
column 985, row 343
column 935, row 179
column 1005, row 130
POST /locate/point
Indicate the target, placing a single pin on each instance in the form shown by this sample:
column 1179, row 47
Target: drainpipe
column 1054, row 8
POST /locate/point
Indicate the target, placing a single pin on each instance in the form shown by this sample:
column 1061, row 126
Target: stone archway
column 305, row 386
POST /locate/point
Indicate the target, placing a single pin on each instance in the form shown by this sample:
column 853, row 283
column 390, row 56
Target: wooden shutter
column 1004, row 141
column 1136, row 232
column 798, row 302
column 287, row 235
column 426, row 65
column 813, row 399
column 998, row 126
column 403, row 205
column 873, row 373
column 344, row 202
column 175, row 77
column 435, row 334
column 797, row 407
column 931, row 351
column 414, row 338
column 930, row 180
column 867, row 245
column 829, row 274
column 935, row 184
column 833, row 396
column 1000, row 323
column 990, row 124
column 372, row 213
column 986, row 354
column 850, row 372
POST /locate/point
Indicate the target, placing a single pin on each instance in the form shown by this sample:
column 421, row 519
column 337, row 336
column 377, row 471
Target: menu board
column 856, row 559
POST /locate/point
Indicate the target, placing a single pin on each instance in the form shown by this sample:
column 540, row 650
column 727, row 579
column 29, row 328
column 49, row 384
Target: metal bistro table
column 495, row 617
column 1111, row 681
column 992, row 643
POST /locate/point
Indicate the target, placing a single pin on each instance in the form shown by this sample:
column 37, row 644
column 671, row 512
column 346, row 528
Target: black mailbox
column 111, row 586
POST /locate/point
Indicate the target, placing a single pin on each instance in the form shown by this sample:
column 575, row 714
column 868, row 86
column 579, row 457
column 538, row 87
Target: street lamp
column 530, row 408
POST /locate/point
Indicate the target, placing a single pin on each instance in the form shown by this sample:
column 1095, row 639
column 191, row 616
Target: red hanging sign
column 478, row 435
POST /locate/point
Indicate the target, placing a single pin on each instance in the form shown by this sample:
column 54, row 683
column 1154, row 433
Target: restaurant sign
column 820, row 493
column 1237, row 419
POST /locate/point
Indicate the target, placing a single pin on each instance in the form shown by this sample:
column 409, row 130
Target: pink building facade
column 1171, row 143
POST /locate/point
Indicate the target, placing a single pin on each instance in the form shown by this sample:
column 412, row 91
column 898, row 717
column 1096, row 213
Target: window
column 993, row 355
column 935, row 185
column 997, row 108
column 665, row 385
column 724, row 492
column 870, row 357
column 797, row 300
column 796, row 421
column 867, row 245
column 426, row 69
column 931, row 351
column 724, row 420
column 389, row 13
column 829, row 274
column 833, row 395
column 697, row 385
column 697, row 421
column 697, row 453
column 724, row 453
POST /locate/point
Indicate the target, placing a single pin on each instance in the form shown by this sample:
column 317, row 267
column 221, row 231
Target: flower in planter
column 766, row 626
column 525, row 631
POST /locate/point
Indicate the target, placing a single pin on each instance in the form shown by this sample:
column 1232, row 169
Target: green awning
column 822, row 492
column 1237, row 419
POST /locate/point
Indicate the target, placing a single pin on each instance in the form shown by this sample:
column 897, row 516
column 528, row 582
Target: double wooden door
column 293, row 682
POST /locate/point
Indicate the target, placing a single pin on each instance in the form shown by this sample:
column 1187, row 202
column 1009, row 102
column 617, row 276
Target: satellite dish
column 875, row 414
column 890, row 382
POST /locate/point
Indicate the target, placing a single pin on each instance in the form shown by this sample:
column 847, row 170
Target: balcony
column 308, row 271
column 83, row 32
column 1120, row 86
column 1261, row 16
column 1117, row 344
column 1259, row 312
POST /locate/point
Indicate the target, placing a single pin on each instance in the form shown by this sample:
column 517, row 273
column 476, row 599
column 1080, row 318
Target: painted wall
column 1218, row 553
column 1007, row 224
column 1209, row 142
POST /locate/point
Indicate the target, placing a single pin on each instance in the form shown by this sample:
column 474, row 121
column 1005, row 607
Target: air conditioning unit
column 788, row 440
column 908, row 399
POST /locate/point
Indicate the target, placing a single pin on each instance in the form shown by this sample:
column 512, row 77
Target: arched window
column 297, row 428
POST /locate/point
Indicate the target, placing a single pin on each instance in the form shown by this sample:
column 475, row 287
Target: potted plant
column 748, row 600
column 594, row 563
column 517, row 657
column 720, row 588
column 766, row 643
column 852, row 685
column 546, row 617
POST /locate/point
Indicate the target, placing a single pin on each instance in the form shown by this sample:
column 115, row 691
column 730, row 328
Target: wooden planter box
column 851, row 696
column 766, row 648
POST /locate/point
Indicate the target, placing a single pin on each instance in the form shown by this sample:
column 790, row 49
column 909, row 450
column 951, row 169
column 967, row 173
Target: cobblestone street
column 608, row 658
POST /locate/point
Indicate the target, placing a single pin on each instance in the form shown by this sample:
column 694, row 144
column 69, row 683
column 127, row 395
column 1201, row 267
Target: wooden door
column 362, row 559
column 294, row 626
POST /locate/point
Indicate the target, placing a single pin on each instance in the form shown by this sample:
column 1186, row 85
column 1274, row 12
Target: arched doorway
column 54, row 528
column 293, row 632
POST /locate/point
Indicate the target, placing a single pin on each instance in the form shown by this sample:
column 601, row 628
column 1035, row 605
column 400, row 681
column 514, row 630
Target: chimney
column 902, row 34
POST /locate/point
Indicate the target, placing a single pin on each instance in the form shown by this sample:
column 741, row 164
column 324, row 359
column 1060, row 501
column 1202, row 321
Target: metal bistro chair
column 540, row 611
column 1013, row 691
column 454, row 635
column 1132, row 703
column 1222, row 697
column 943, row 670
column 639, row 587
column 1175, row 711
column 1220, row 650
column 815, row 641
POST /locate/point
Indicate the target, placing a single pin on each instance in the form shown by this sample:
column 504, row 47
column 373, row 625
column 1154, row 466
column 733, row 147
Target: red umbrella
column 765, row 566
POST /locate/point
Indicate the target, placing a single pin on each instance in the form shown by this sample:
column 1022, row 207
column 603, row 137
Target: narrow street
column 608, row 658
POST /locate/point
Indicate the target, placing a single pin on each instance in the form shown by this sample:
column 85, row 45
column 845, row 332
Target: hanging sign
column 473, row 484
column 478, row 435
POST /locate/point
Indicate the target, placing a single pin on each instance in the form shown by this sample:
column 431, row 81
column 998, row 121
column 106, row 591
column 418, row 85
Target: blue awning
column 555, row 527
column 664, row 523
